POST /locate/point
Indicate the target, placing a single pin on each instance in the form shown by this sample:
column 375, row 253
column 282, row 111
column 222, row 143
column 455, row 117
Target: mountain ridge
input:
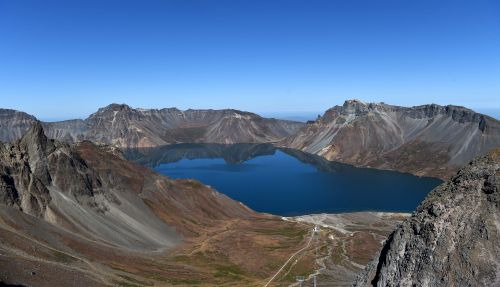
column 124, row 126
column 426, row 140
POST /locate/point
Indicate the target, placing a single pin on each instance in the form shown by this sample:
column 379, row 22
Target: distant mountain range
column 82, row 213
column 428, row 140
column 123, row 126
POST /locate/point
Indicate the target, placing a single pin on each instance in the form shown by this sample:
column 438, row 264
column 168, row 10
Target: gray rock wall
column 453, row 238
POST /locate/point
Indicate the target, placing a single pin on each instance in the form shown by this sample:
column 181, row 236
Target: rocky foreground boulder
column 453, row 238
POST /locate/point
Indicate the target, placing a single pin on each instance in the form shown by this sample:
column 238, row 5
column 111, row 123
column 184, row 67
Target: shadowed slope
column 50, row 180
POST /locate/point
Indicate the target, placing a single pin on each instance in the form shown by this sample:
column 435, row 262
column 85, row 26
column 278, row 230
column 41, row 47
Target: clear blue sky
column 62, row 59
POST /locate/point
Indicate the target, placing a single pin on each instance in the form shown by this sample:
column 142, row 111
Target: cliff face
column 453, row 239
column 428, row 140
column 123, row 126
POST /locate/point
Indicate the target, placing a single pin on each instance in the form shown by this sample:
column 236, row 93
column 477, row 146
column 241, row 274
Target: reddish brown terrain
column 83, row 216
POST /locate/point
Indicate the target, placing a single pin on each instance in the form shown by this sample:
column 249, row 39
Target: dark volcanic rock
column 429, row 140
column 34, row 164
column 453, row 239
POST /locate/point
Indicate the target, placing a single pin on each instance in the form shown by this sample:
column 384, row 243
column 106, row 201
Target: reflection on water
column 232, row 154
column 284, row 181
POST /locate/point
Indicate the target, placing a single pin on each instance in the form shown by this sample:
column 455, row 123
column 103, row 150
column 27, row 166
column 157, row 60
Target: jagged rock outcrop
column 123, row 126
column 429, row 140
column 453, row 238
column 25, row 171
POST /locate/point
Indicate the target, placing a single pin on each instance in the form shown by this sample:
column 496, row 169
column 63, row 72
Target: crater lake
column 287, row 182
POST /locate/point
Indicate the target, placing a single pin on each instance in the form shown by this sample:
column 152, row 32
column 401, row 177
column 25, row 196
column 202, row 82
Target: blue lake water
column 286, row 182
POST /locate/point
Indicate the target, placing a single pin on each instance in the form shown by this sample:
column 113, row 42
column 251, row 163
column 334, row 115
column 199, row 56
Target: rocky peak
column 35, row 136
column 353, row 103
column 115, row 114
column 111, row 110
column 349, row 108
column 25, row 172
column 354, row 106
column 117, row 107
column 34, row 164
column 453, row 239
column 37, row 146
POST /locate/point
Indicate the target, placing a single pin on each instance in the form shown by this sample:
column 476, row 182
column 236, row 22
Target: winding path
column 289, row 259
